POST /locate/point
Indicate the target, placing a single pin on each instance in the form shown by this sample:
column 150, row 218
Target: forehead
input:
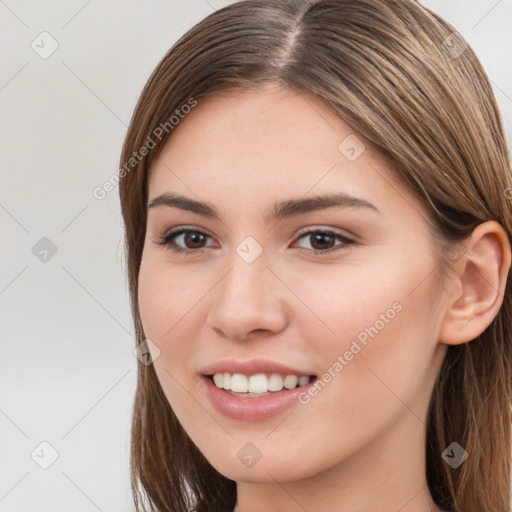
column 265, row 146
column 274, row 131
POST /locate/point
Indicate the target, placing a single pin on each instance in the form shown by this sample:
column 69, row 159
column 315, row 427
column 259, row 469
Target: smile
column 260, row 384
column 257, row 405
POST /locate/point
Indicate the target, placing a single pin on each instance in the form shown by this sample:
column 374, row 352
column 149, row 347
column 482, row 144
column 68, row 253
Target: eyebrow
column 279, row 211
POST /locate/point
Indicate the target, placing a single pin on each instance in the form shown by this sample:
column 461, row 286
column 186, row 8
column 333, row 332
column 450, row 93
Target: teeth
column 259, row 383
column 303, row 380
column 218, row 378
column 275, row 383
column 238, row 383
column 290, row 381
column 226, row 380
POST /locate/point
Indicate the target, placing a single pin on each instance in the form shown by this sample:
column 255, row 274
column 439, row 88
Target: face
column 337, row 303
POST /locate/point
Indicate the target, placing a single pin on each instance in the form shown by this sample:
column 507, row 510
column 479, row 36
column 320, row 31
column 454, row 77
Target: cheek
column 163, row 313
column 166, row 297
column 172, row 309
column 361, row 299
column 166, row 300
column 374, row 328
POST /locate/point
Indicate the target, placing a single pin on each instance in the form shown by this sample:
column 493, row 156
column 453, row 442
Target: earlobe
column 480, row 277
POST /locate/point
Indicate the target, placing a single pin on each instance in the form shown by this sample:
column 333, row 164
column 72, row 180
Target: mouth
column 259, row 384
column 256, row 397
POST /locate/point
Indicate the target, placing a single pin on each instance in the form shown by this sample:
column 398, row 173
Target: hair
column 403, row 78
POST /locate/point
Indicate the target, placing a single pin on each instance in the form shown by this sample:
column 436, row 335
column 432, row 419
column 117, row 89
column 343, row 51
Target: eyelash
column 168, row 241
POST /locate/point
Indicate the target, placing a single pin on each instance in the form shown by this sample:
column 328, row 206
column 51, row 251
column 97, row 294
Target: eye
column 192, row 238
column 322, row 241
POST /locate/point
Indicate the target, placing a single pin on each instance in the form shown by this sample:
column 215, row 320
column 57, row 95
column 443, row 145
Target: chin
column 246, row 464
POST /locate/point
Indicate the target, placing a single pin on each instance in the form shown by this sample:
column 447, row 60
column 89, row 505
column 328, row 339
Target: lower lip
column 255, row 408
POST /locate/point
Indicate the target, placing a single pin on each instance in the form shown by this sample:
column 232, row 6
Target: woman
column 316, row 198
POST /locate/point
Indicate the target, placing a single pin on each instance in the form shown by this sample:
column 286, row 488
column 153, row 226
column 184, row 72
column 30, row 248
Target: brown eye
column 323, row 241
column 192, row 240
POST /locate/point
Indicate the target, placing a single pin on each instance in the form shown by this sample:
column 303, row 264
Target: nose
column 249, row 301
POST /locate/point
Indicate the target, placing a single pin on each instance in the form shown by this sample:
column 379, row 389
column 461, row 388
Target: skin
column 358, row 445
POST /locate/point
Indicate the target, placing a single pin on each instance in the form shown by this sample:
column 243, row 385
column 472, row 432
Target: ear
column 478, row 284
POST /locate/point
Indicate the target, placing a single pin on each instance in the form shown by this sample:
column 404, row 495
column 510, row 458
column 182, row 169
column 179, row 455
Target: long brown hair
column 404, row 79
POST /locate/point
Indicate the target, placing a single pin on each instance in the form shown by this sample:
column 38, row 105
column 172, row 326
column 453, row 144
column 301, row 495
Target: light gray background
column 67, row 372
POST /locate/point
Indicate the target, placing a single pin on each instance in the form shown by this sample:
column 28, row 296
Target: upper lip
column 251, row 367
